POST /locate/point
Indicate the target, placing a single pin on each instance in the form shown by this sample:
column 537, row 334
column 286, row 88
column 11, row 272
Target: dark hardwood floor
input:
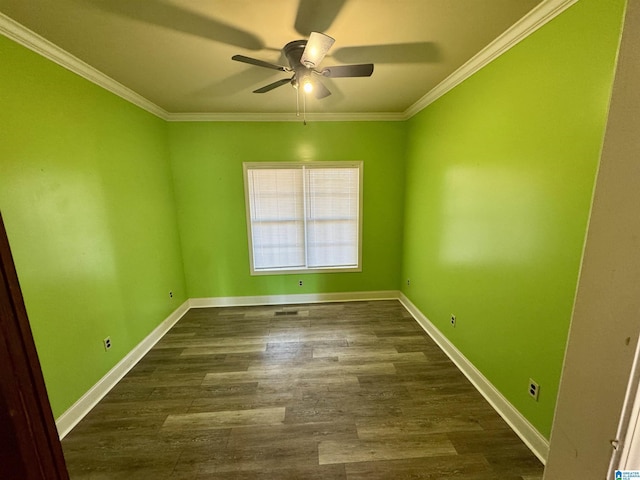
column 331, row 391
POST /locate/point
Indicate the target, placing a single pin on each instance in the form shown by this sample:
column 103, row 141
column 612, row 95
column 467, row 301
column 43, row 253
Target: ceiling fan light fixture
column 316, row 48
column 309, row 63
column 307, row 86
column 301, row 55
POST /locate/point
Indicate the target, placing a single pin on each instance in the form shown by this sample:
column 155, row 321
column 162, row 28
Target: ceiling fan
column 304, row 57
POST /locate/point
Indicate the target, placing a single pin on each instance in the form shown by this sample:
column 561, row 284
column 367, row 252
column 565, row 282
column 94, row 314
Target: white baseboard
column 293, row 298
column 72, row 416
column 536, row 442
column 83, row 406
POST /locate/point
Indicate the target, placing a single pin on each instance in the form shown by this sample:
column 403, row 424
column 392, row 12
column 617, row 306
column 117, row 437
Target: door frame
column 29, row 443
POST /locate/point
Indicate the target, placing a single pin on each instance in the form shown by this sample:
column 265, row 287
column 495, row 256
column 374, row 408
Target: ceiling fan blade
column 319, row 90
column 417, row 52
column 316, row 16
column 271, row 86
column 259, row 63
column 180, row 19
column 362, row 70
column 317, row 47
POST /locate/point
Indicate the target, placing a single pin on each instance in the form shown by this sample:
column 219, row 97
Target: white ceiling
column 177, row 53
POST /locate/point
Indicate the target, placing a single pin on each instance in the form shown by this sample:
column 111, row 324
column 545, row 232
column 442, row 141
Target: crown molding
column 286, row 117
column 539, row 16
column 31, row 40
column 536, row 18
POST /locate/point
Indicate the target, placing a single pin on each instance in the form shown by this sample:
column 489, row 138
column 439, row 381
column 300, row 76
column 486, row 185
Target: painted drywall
column 498, row 188
column 500, row 173
column 605, row 327
column 207, row 167
column 87, row 200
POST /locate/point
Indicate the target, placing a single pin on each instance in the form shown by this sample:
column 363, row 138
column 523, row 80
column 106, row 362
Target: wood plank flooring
column 340, row 391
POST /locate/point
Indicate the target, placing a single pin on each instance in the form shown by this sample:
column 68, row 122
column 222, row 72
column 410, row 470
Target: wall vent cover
column 287, row 312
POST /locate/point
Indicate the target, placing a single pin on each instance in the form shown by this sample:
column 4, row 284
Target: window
column 304, row 217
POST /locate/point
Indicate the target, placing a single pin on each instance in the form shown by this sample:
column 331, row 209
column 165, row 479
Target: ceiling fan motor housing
column 293, row 52
column 303, row 57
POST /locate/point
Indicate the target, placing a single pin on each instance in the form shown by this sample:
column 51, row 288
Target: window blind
column 303, row 217
column 332, row 216
column 277, row 218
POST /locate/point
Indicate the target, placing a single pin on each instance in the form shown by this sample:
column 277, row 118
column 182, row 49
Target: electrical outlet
column 300, row 282
column 107, row 343
column 408, row 282
column 453, row 320
column 170, row 294
column 534, row 389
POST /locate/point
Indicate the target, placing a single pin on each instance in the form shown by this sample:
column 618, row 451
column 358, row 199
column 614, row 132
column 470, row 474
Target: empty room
column 337, row 239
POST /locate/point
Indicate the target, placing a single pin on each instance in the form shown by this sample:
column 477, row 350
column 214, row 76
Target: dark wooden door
column 29, row 444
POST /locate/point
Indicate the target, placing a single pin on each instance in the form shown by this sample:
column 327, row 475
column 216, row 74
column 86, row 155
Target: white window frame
column 302, row 165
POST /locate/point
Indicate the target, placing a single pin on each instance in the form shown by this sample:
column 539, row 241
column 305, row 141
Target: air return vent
column 287, row 313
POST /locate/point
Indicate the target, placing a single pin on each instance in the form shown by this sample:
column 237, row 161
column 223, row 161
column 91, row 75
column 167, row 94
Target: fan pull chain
column 297, row 102
column 304, row 109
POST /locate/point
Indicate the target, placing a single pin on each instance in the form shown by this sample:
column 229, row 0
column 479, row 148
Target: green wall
column 207, row 165
column 500, row 173
column 481, row 200
column 87, row 200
